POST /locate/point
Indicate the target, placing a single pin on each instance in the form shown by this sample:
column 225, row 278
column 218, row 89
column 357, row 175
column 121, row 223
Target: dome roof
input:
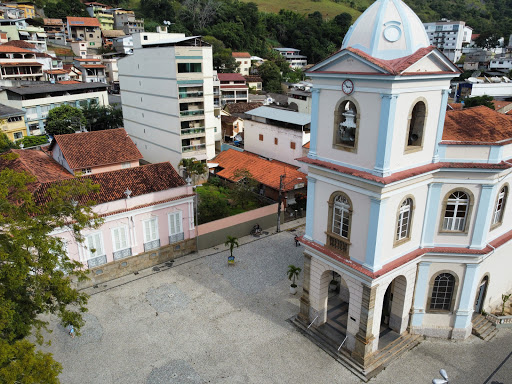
column 387, row 30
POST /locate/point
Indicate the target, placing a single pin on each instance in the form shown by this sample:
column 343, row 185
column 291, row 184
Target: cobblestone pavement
column 203, row 321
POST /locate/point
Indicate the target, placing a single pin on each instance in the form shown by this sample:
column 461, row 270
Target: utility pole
column 281, row 178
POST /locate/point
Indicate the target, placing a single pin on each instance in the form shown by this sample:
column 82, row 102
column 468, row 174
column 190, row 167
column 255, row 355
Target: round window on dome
column 392, row 33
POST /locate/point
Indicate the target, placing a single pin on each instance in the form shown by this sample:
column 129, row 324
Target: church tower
column 385, row 204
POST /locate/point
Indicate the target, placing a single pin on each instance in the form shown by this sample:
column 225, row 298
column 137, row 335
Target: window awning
column 41, row 34
column 23, row 33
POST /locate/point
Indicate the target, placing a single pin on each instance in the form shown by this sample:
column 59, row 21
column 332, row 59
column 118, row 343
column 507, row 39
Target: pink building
column 95, row 152
column 148, row 214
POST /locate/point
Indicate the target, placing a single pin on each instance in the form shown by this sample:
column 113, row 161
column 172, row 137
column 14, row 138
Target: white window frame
column 175, row 219
column 455, row 223
column 122, row 244
column 99, row 248
column 144, row 223
column 404, row 220
column 497, row 216
column 342, row 209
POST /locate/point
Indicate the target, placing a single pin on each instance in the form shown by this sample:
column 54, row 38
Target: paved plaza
column 202, row 321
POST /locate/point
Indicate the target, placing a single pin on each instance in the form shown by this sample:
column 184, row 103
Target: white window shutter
column 153, row 229
column 117, row 242
column 172, row 224
column 147, row 231
column 178, row 222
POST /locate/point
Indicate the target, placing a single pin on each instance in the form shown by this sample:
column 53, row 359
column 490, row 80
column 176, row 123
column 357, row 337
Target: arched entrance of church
column 337, row 306
column 394, row 317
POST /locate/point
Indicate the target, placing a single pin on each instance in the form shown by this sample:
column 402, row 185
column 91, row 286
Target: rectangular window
column 292, row 144
column 18, row 135
column 176, row 227
column 261, row 137
column 94, row 244
column 120, row 238
column 150, row 230
column 86, row 171
column 126, row 164
column 275, row 140
column 189, row 67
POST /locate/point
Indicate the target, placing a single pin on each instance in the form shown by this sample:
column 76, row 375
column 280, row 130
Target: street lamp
column 444, row 380
column 279, row 199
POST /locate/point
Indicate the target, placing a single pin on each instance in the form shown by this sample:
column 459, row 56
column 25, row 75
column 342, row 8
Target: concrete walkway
column 202, row 321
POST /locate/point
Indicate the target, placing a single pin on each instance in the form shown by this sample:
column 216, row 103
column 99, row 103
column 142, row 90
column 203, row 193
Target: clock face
column 347, row 87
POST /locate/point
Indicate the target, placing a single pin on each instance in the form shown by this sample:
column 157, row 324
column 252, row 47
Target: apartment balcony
column 194, row 113
column 193, row 132
column 192, row 149
column 191, row 96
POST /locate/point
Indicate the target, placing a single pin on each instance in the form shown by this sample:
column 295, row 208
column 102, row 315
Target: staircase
column 381, row 358
column 483, row 328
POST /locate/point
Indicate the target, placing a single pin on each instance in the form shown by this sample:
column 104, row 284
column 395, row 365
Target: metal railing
column 343, row 342
column 189, row 131
column 193, row 148
column 193, row 112
column 122, row 253
column 177, row 237
column 187, row 95
column 151, row 245
column 98, row 260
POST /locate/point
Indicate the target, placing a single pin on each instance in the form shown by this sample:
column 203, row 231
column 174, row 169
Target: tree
column 293, row 273
column 64, row 119
column 212, row 205
column 231, row 242
column 5, row 143
column 244, row 186
column 479, row 100
column 35, row 272
column 223, row 61
column 101, row 117
column 487, row 40
column 271, row 76
column 193, row 167
column 158, row 10
column 64, row 8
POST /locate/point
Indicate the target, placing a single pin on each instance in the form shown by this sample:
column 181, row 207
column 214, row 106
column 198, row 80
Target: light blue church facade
column 408, row 228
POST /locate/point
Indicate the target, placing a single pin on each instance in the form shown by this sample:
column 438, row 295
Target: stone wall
column 128, row 265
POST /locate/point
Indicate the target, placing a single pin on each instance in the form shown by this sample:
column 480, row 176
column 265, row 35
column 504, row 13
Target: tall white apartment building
column 167, row 97
column 449, row 36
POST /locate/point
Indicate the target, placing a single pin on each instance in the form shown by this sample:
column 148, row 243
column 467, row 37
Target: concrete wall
column 215, row 232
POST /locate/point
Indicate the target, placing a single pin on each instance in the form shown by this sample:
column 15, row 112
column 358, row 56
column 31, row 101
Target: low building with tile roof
column 266, row 172
column 244, row 62
column 95, row 152
column 147, row 211
column 233, row 88
column 85, row 29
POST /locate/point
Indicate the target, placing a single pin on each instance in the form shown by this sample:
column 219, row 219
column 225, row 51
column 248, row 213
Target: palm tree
column 193, row 167
column 293, row 273
column 231, row 242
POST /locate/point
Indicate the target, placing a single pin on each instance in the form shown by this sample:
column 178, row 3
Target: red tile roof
column 68, row 82
column 241, row 55
column 92, row 149
column 477, row 125
column 233, row 86
column 83, row 21
column 93, row 66
column 306, row 145
column 230, row 77
column 253, row 79
column 36, row 163
column 92, row 60
column 19, row 44
column 21, row 64
column 57, row 22
column 402, row 175
column 395, row 66
column 56, row 71
column 264, row 171
column 140, row 180
column 498, row 104
column 11, row 49
column 241, row 107
column 455, row 106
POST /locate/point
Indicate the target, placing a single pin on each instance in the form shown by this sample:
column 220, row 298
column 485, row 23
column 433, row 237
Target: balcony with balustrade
column 338, row 244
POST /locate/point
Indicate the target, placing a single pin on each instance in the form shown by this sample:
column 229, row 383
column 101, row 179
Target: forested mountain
column 246, row 26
